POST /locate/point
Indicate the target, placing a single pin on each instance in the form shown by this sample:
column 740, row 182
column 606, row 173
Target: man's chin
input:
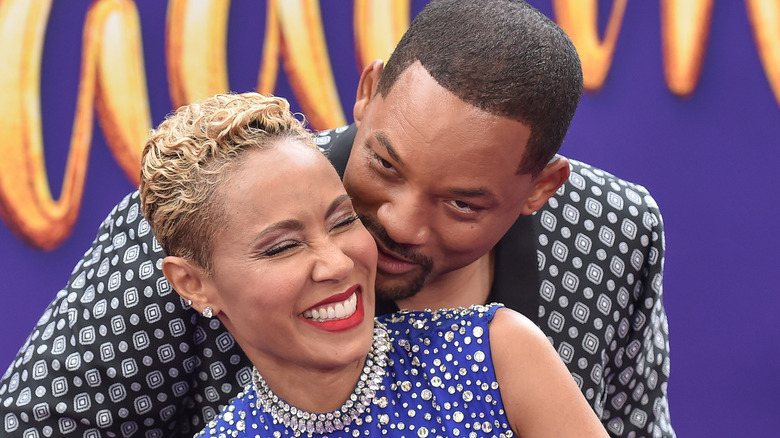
column 395, row 289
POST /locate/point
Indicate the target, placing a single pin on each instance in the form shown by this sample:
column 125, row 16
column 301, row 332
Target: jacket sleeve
column 636, row 402
column 117, row 352
column 336, row 144
column 600, row 249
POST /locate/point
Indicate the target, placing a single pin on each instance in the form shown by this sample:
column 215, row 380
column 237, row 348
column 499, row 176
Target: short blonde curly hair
column 193, row 152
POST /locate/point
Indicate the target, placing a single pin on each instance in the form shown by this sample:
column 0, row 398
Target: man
column 452, row 166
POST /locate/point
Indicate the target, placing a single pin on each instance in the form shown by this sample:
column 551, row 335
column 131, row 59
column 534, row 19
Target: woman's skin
column 291, row 244
column 291, row 248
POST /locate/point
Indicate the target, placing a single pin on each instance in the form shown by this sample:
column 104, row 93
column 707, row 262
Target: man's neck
column 462, row 288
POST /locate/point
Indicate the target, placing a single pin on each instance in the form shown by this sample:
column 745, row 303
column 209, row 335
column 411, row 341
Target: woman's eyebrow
column 288, row 224
column 336, row 204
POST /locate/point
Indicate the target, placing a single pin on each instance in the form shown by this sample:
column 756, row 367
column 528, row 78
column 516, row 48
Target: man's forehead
column 469, row 169
column 457, row 142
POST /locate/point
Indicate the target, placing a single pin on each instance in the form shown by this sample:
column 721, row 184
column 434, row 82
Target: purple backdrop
column 706, row 158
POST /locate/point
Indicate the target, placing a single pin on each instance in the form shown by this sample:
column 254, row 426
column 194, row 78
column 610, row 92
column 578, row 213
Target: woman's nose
column 332, row 264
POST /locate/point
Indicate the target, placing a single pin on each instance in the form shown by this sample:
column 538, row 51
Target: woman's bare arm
column 540, row 396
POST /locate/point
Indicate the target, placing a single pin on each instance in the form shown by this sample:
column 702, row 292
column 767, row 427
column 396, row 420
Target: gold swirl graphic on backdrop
column 685, row 27
column 196, row 54
column 112, row 78
column 579, row 18
column 195, row 49
column 765, row 20
column 113, row 81
column 379, row 25
column 307, row 63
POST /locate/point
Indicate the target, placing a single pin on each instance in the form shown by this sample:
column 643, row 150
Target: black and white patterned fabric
column 600, row 252
column 117, row 353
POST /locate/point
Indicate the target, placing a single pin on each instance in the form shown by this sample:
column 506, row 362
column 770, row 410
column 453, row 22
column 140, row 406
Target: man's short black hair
column 502, row 56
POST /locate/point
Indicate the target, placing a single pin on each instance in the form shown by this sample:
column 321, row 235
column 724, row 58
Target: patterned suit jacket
column 118, row 353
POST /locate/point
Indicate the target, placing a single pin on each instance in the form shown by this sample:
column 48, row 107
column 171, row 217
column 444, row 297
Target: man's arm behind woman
column 117, row 352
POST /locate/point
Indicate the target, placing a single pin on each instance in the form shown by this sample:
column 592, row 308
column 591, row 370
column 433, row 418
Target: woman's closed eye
column 286, row 246
column 279, row 249
column 345, row 222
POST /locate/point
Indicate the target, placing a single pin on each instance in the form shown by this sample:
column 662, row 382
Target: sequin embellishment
column 300, row 421
column 436, row 382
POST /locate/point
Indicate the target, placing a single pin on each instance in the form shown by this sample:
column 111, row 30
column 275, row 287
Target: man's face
column 435, row 181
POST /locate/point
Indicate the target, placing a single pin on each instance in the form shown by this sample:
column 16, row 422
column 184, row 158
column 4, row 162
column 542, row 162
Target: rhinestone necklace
column 300, row 421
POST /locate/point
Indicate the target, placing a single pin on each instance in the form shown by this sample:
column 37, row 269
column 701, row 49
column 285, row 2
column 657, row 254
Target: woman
column 260, row 233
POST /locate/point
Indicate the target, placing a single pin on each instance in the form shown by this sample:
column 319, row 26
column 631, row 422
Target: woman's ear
column 191, row 282
column 553, row 176
column 366, row 89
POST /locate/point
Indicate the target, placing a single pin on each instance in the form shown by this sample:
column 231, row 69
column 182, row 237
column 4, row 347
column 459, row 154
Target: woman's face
column 294, row 268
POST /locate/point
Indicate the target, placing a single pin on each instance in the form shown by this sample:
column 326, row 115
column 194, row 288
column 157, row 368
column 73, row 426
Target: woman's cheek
column 363, row 251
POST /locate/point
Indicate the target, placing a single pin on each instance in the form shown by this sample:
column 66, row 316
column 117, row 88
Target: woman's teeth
column 332, row 311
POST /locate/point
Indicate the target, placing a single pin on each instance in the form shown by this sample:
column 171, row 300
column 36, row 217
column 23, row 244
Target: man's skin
column 436, row 182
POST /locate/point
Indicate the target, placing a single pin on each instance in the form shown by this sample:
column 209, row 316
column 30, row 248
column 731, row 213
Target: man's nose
column 405, row 220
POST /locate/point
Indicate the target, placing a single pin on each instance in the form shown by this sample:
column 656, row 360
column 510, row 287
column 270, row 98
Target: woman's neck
column 297, row 394
column 460, row 288
column 317, row 390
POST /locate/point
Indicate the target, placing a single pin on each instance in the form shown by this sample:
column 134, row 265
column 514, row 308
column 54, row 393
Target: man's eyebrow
column 382, row 138
column 479, row 192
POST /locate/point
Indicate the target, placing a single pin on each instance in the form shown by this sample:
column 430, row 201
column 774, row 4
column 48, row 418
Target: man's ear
column 554, row 175
column 191, row 282
column 366, row 88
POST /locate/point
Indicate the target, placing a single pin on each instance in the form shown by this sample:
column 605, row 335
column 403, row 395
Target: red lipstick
column 338, row 325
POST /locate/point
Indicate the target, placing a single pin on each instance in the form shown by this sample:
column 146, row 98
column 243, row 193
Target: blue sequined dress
column 433, row 377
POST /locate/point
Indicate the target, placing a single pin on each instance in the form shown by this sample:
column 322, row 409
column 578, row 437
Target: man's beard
column 410, row 287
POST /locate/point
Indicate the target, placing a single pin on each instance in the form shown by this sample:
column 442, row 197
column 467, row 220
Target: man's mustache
column 400, row 249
